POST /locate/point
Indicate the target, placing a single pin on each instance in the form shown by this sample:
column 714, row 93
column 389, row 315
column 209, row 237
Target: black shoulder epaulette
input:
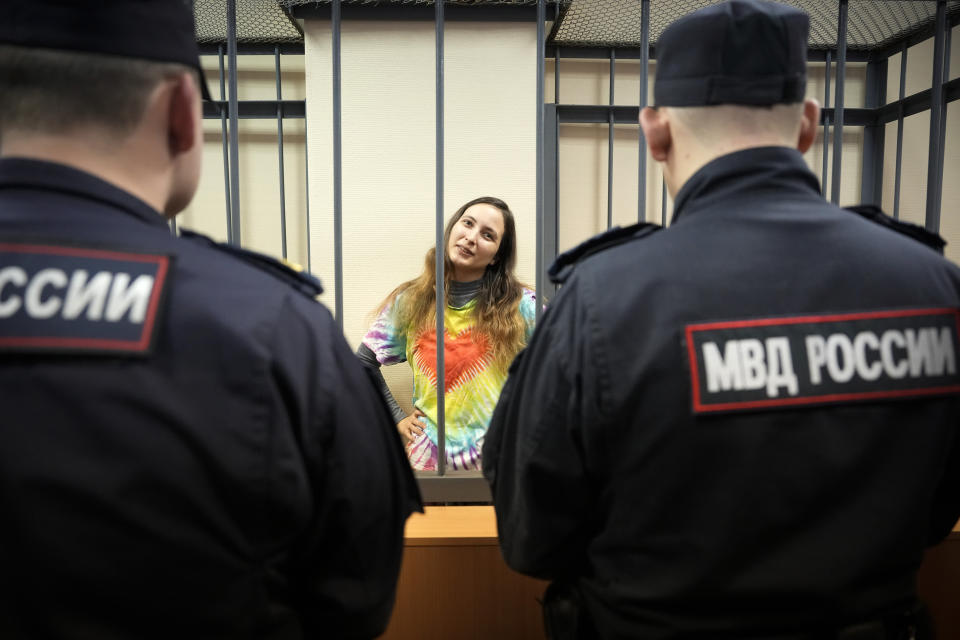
column 287, row 272
column 873, row 213
column 563, row 266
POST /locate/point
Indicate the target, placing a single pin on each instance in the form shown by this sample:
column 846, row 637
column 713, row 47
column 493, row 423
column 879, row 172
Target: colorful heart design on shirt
column 465, row 356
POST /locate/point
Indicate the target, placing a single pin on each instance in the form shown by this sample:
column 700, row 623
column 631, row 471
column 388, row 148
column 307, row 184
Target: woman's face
column 474, row 241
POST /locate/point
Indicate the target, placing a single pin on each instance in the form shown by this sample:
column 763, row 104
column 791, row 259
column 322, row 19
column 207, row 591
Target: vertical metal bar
column 306, row 169
column 173, row 226
column 937, row 114
column 663, row 205
column 441, row 250
column 550, row 236
column 550, row 199
column 613, row 76
column 556, row 59
column 874, row 135
column 226, row 149
column 826, row 127
column 644, row 80
column 948, row 36
column 337, row 169
column 234, row 123
column 838, row 107
column 283, row 198
column 551, row 216
column 540, row 266
column 556, row 75
column 903, row 90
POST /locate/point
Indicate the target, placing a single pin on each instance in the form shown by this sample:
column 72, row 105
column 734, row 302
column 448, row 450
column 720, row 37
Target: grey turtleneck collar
column 461, row 293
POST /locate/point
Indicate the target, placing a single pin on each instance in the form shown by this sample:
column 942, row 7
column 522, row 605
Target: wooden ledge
column 452, row 526
column 469, row 525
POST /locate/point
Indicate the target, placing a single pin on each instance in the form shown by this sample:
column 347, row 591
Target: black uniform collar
column 743, row 173
column 49, row 176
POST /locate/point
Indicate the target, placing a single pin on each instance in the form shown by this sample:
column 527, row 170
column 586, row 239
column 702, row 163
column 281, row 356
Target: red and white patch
column 765, row 363
column 65, row 299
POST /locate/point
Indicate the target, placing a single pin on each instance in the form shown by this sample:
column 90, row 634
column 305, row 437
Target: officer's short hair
column 709, row 124
column 53, row 91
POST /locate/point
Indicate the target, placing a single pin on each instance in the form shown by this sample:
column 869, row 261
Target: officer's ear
column 183, row 115
column 809, row 124
column 656, row 129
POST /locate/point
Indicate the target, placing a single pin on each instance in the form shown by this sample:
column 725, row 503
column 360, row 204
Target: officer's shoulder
column 288, row 273
column 875, row 214
column 566, row 262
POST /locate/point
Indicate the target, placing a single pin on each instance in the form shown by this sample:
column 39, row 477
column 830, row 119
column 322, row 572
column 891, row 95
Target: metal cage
column 842, row 31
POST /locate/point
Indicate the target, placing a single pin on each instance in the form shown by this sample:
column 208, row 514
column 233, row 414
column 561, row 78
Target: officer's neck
column 125, row 163
column 687, row 156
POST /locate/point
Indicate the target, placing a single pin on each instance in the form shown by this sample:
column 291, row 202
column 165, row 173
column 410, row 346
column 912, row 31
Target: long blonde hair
column 498, row 304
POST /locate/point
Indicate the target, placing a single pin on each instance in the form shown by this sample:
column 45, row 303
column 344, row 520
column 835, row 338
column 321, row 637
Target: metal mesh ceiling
column 258, row 21
column 300, row 3
column 871, row 24
column 270, row 22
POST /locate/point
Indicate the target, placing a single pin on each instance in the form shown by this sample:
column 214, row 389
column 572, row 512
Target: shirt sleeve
column 369, row 360
column 345, row 565
column 528, row 309
column 386, row 338
column 534, row 455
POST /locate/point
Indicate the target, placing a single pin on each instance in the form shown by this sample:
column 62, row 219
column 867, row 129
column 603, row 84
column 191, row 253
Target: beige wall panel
column 387, row 119
column 587, row 81
column 851, row 171
column 490, row 124
column 913, row 177
column 889, row 168
column 259, row 165
column 318, row 67
column 853, row 90
column 954, row 53
column 584, row 81
column 583, row 181
column 950, row 205
column 919, row 67
column 893, row 77
column 548, row 81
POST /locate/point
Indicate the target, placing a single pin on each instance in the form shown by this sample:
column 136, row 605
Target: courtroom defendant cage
column 881, row 124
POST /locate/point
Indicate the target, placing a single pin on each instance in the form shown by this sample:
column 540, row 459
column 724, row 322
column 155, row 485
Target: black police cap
column 745, row 52
column 156, row 30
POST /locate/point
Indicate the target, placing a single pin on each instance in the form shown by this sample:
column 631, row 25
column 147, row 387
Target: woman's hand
column 411, row 427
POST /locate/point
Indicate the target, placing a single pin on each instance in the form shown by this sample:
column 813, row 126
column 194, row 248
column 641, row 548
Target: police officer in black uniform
column 744, row 425
column 188, row 447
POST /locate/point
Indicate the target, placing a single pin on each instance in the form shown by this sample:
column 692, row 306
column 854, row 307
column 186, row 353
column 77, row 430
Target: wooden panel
column 452, row 525
column 455, row 585
column 464, row 592
column 938, row 584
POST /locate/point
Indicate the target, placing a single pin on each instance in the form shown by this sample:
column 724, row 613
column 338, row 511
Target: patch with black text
column 819, row 359
column 63, row 299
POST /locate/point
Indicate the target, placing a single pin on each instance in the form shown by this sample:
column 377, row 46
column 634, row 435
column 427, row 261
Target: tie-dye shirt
column 473, row 379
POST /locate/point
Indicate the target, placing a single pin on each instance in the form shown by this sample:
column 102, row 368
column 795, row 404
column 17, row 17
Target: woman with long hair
column 488, row 319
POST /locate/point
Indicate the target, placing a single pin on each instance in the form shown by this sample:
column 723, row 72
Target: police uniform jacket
column 188, row 447
column 741, row 426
